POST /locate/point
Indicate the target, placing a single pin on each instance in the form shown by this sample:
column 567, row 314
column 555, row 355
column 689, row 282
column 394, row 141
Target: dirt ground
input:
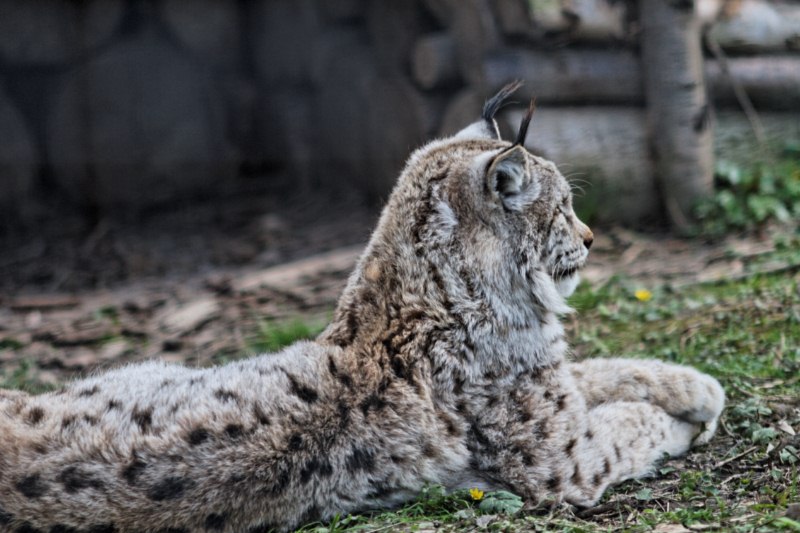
column 197, row 286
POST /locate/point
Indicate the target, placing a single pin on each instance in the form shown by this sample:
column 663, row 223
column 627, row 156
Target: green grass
column 272, row 336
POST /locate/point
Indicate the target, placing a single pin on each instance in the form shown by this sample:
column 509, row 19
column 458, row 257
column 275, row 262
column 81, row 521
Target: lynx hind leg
column 681, row 391
column 624, row 440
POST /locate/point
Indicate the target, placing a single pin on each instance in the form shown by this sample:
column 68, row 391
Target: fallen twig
column 722, row 463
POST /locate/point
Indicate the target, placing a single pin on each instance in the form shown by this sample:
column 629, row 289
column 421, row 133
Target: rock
column 211, row 29
column 49, row 31
column 137, row 126
column 19, row 162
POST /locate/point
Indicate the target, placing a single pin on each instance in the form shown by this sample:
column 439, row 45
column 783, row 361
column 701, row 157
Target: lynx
column 445, row 364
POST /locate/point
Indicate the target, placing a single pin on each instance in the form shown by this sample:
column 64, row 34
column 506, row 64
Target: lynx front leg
column 622, row 440
column 681, row 391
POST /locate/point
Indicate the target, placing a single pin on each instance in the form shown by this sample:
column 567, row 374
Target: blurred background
column 143, row 137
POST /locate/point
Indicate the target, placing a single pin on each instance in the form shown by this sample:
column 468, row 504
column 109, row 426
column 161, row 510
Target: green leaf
column 501, row 502
column 763, row 435
column 645, row 494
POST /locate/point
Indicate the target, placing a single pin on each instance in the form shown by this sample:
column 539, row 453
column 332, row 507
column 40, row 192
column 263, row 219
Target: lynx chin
column 445, row 364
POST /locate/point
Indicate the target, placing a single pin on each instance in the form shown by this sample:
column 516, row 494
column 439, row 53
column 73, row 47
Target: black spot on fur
column 343, row 413
column 429, row 450
column 589, row 434
column 606, row 466
column 134, row 469
column 67, row 422
column 27, row 528
column 35, row 416
column 295, row 442
column 570, row 446
column 89, row 392
column 576, row 478
column 226, row 395
column 173, row 530
column 234, row 431
column 260, row 415
column 143, row 418
column 322, row 467
column 74, row 480
column 617, row 452
column 5, row 517
column 344, row 379
column 361, row 459
column 91, row 420
column 197, row 436
column 169, row 488
column 554, row 484
column 450, row 425
column 380, row 491
column 113, row 404
column 282, row 476
column 477, row 435
column 103, row 528
column 59, row 528
column 263, row 528
column 216, row 521
column 31, row 486
column 304, row 392
column 560, row 401
column 372, row 401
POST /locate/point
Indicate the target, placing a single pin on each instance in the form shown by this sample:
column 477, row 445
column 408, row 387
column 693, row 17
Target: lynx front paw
column 708, row 401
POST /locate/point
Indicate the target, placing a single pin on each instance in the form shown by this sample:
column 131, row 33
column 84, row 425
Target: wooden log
column 622, row 188
column 569, row 76
column 579, row 20
column 514, row 19
column 771, row 83
column 433, row 62
column 614, row 77
column 759, row 26
column 680, row 133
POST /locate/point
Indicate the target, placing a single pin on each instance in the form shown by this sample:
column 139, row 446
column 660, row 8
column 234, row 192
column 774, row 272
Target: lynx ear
column 509, row 178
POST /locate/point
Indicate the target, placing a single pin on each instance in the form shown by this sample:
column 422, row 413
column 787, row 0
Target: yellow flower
column 643, row 295
column 477, row 494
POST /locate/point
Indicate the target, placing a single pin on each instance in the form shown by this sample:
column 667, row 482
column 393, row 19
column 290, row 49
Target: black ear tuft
column 526, row 121
column 493, row 104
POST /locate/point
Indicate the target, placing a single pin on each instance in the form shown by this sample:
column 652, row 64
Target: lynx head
column 479, row 207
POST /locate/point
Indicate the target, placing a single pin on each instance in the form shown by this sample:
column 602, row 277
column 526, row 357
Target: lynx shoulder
column 445, row 364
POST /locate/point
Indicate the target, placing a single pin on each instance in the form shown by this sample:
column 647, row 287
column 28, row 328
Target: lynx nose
column 588, row 238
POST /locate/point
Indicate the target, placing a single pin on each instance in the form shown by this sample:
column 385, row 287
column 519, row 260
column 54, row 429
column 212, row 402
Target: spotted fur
column 445, row 363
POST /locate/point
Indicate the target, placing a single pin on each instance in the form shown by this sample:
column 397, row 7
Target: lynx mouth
column 563, row 273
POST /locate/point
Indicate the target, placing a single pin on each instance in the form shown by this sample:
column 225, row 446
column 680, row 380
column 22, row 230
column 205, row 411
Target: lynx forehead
column 445, row 363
